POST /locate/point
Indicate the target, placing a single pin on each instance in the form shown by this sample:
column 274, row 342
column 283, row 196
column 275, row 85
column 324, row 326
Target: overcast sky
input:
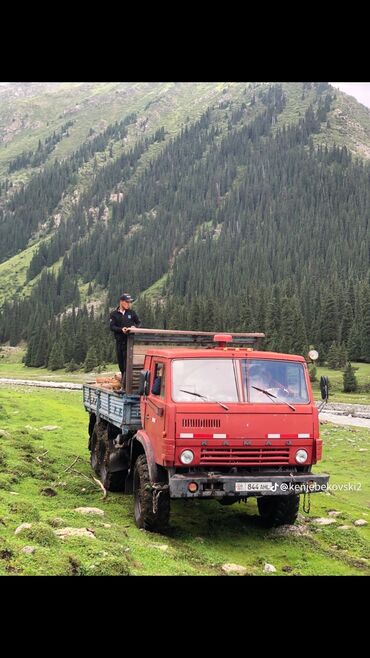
column 360, row 90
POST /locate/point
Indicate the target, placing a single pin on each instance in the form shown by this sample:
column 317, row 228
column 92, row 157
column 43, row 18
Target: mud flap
column 118, row 460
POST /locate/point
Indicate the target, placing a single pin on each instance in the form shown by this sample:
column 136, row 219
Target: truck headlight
column 186, row 456
column 301, row 456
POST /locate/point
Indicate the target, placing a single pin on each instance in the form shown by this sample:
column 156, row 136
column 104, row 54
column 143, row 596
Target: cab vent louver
column 201, row 422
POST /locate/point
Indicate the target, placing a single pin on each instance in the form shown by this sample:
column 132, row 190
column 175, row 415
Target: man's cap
column 126, row 298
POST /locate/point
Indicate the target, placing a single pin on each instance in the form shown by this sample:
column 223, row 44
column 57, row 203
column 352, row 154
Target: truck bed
column 123, row 411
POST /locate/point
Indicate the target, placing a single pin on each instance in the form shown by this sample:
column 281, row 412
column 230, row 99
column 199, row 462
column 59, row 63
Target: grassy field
column 11, row 367
column 37, row 487
column 362, row 371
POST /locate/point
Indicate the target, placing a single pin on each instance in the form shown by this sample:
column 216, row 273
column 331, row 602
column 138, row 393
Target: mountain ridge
column 198, row 165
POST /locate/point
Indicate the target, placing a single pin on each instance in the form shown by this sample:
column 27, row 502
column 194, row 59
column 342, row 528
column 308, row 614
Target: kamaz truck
column 207, row 416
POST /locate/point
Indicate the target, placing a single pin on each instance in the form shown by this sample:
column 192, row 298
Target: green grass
column 203, row 535
column 336, row 394
column 11, row 366
column 13, row 273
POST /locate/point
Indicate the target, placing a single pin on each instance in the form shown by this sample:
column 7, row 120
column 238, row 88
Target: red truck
column 217, row 420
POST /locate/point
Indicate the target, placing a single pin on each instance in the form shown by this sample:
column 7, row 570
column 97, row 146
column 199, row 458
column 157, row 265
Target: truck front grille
column 250, row 456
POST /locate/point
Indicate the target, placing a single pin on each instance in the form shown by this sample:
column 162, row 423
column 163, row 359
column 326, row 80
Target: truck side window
column 158, row 387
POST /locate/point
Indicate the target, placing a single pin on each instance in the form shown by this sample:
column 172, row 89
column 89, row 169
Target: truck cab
column 224, row 422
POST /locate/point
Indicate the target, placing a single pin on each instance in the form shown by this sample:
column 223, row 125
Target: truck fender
column 156, row 472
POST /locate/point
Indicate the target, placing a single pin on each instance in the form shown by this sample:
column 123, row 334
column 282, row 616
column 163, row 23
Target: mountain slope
column 159, row 186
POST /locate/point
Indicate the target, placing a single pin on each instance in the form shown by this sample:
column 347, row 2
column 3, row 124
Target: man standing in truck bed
column 121, row 319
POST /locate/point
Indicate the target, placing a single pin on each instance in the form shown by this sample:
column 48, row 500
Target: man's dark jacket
column 119, row 320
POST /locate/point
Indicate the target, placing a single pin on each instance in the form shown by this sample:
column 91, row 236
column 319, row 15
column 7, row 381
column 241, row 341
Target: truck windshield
column 283, row 380
column 215, row 380
column 212, row 378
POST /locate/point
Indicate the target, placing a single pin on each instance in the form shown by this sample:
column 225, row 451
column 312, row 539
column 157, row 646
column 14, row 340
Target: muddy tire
column 278, row 510
column 97, row 447
column 92, row 422
column 112, row 481
column 227, row 500
column 143, row 500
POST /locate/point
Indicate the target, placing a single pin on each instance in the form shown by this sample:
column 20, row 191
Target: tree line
column 255, row 228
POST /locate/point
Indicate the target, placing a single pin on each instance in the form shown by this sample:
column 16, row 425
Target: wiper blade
column 271, row 395
column 205, row 397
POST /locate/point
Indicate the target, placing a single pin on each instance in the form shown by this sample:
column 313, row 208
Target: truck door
column 155, row 412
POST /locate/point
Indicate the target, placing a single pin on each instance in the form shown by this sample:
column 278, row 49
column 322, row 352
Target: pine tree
column 91, row 360
column 347, row 322
column 354, row 343
column 71, row 366
column 365, row 326
column 312, row 371
column 333, row 358
column 349, row 379
column 56, row 358
column 342, row 355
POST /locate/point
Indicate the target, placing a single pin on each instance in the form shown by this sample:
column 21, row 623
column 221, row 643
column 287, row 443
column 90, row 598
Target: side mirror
column 144, row 382
column 324, row 388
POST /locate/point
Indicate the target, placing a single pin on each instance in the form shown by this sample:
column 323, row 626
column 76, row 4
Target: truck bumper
column 213, row 485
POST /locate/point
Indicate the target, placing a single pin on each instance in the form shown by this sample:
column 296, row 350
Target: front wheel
column 278, row 510
column 152, row 517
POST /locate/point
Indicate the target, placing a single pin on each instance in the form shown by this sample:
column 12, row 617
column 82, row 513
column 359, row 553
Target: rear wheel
column 278, row 510
column 145, row 517
column 112, row 481
column 101, row 447
column 97, row 446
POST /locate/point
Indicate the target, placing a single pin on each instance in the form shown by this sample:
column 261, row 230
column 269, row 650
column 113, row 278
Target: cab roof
column 220, row 353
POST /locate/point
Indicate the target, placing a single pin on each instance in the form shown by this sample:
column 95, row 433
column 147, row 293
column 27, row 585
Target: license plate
column 253, row 486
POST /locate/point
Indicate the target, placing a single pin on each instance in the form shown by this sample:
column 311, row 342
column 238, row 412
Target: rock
column 363, row 450
column 14, row 493
column 290, row 531
column 287, row 568
column 233, row 568
column 107, row 525
column 344, row 527
column 161, row 547
column 48, row 491
column 333, row 512
column 74, row 532
column 56, row 521
column 323, row 521
column 269, row 568
column 49, row 428
column 4, row 433
column 23, row 526
column 89, row 510
column 360, row 522
column 28, row 549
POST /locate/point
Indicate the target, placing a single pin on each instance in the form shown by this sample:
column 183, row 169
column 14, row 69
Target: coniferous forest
column 241, row 221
